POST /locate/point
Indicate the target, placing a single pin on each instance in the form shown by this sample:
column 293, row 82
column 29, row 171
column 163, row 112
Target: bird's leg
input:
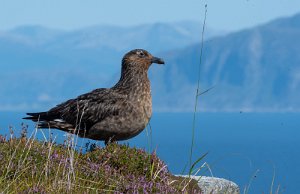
column 108, row 141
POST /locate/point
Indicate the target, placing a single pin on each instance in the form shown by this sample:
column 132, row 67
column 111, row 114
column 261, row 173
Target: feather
column 108, row 114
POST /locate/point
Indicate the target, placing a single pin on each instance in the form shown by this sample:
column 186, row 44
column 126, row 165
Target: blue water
column 239, row 145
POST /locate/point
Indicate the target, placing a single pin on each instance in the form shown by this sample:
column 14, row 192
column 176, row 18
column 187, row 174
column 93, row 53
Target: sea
column 258, row 151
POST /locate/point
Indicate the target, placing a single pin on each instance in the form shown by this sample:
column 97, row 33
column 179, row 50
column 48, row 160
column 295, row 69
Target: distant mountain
column 257, row 69
column 42, row 66
column 155, row 37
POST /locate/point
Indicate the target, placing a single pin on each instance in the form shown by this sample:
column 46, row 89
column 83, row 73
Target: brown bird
column 108, row 114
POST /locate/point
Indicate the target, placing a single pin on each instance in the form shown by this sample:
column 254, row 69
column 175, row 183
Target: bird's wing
column 90, row 108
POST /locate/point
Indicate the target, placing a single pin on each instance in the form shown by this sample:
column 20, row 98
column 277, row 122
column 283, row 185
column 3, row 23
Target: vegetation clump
column 31, row 166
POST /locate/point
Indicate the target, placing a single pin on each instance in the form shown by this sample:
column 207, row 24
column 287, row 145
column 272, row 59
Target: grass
column 198, row 93
column 31, row 166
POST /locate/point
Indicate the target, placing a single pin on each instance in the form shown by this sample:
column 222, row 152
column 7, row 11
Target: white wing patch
column 59, row 120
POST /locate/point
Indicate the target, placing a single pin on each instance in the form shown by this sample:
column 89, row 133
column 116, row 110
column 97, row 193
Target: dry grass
column 31, row 166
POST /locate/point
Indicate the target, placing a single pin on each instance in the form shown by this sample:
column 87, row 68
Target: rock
column 213, row 185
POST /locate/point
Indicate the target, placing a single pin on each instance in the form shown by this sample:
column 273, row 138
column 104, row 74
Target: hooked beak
column 157, row 60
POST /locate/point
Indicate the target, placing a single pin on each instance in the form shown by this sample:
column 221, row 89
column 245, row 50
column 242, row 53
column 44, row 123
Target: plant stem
column 197, row 92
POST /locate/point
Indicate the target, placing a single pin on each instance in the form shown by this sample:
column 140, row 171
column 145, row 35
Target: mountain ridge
column 255, row 69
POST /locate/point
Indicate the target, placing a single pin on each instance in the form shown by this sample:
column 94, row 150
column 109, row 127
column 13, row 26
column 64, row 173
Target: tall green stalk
column 197, row 92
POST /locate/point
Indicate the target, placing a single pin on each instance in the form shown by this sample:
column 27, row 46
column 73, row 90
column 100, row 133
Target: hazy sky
column 73, row 14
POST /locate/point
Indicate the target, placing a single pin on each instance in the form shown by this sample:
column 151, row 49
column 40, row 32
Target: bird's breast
column 142, row 100
column 133, row 117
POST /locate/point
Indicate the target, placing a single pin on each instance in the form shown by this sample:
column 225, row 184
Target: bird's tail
column 40, row 116
column 48, row 120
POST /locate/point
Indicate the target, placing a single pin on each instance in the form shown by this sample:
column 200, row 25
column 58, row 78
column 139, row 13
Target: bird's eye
column 141, row 53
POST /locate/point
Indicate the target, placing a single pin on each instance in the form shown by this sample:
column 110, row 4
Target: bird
column 108, row 114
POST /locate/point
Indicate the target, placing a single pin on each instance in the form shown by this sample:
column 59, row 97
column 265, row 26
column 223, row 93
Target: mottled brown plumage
column 108, row 114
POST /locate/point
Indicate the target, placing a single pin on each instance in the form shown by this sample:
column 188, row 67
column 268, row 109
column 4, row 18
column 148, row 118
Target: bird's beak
column 157, row 60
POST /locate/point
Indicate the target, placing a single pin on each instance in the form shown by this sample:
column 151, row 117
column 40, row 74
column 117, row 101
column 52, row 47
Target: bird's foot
column 109, row 141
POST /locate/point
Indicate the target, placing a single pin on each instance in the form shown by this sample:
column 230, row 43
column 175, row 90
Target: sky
column 229, row 15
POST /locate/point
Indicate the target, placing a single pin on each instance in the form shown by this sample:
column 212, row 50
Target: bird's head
column 139, row 58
